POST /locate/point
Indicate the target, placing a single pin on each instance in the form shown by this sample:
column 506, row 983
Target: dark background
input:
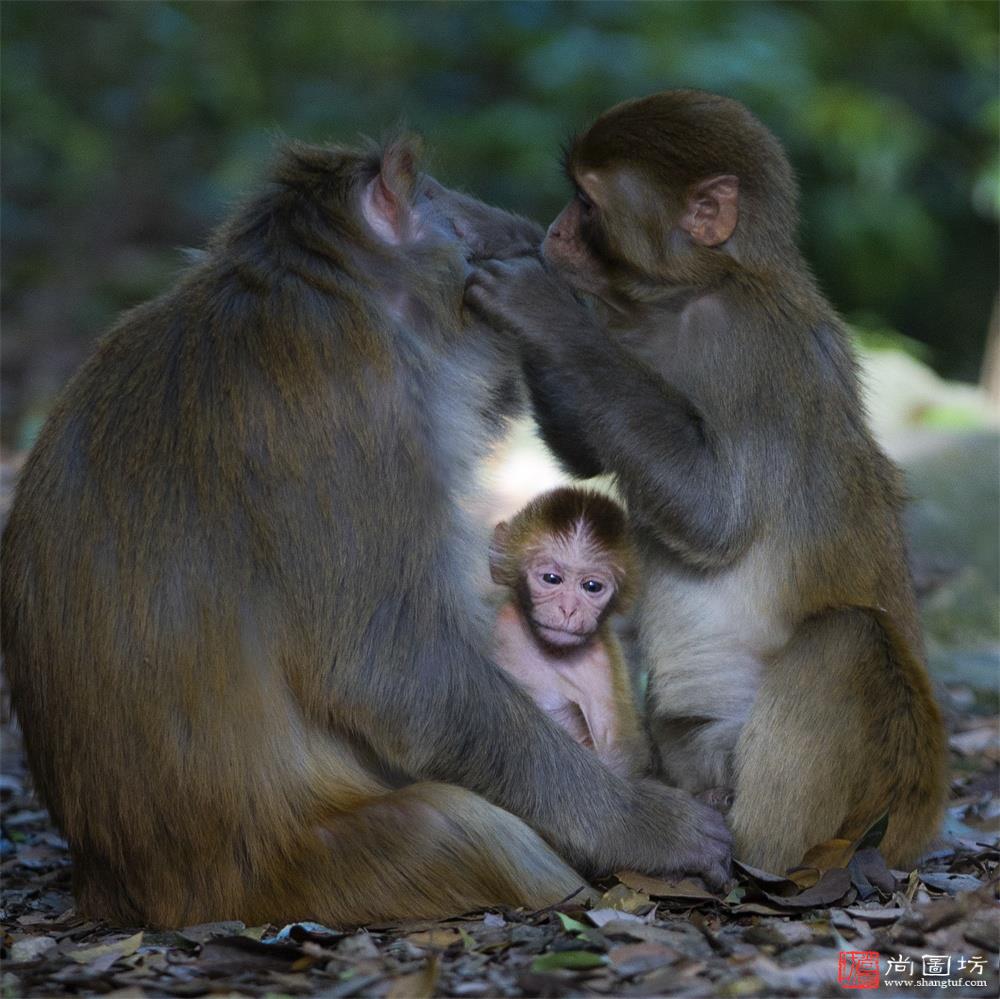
column 129, row 128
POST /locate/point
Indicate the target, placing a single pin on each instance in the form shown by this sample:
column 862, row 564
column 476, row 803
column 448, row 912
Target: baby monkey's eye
column 585, row 203
column 593, row 586
column 551, row 578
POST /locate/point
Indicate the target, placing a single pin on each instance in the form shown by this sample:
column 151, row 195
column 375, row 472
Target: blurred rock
column 954, row 532
column 900, row 393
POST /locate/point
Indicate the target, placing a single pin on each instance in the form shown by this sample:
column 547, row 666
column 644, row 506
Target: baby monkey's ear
column 499, row 545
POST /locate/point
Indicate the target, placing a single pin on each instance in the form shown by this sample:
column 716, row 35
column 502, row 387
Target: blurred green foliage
column 130, row 127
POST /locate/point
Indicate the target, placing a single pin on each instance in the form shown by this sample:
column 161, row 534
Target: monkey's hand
column 527, row 298
column 684, row 835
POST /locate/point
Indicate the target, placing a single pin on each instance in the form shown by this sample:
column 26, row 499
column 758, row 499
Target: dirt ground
column 769, row 936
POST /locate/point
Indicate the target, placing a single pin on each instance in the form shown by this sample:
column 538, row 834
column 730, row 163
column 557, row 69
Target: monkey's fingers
column 510, row 294
column 485, row 296
column 717, row 878
column 702, row 841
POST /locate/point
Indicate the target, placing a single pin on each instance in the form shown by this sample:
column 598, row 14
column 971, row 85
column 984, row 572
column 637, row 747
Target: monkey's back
column 223, row 521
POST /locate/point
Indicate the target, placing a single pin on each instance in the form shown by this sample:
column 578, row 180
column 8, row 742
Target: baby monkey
column 568, row 562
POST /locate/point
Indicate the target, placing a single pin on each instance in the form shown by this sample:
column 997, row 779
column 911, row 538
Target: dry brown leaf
column 773, row 881
column 637, row 959
column 757, row 909
column 121, row 948
column 602, row 917
column 804, row 877
column 623, row 898
column 439, row 937
column 950, row 883
column 297, row 984
column 831, row 853
column 659, row 888
column 878, row 915
column 224, row 955
column 836, row 853
column 832, row 887
column 869, row 865
column 417, row 985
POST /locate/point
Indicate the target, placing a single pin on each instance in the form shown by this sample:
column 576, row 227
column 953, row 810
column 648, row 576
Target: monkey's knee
column 432, row 851
column 503, row 857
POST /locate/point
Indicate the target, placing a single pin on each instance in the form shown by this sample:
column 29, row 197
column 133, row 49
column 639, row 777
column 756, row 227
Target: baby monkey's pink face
column 570, row 585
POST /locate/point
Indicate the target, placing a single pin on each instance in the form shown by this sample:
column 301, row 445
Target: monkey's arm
column 558, row 422
column 676, row 467
column 446, row 713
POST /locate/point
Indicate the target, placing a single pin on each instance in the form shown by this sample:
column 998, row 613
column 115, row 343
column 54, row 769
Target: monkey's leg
column 843, row 729
column 693, row 753
column 424, row 852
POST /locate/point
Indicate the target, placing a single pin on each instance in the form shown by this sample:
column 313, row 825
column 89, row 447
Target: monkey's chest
column 704, row 639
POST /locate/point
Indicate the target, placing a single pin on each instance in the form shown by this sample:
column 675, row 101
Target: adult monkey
column 239, row 626
column 715, row 381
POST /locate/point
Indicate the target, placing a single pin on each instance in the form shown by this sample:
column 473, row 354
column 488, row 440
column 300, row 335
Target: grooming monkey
column 239, row 623
column 708, row 373
column 568, row 562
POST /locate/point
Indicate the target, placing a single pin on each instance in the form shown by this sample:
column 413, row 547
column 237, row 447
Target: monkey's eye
column 551, row 578
column 593, row 586
column 585, row 203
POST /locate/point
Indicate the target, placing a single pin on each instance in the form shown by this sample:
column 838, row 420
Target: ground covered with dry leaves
column 770, row 936
column 843, row 915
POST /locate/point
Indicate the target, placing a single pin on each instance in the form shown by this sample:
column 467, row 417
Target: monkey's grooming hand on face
column 526, row 297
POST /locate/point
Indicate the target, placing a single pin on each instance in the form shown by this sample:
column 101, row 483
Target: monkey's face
column 568, row 586
column 480, row 230
column 647, row 203
column 613, row 231
column 574, row 241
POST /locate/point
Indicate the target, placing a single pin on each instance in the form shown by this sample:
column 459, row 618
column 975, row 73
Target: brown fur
column 239, row 623
column 713, row 379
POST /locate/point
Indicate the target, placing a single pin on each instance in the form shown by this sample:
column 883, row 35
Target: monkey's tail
column 844, row 729
column 426, row 851
column 912, row 742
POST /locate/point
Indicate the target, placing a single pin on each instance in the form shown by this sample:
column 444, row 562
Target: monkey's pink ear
column 498, row 552
column 712, row 211
column 386, row 199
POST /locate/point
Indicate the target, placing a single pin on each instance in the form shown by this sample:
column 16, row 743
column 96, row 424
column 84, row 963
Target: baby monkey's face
column 569, row 586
